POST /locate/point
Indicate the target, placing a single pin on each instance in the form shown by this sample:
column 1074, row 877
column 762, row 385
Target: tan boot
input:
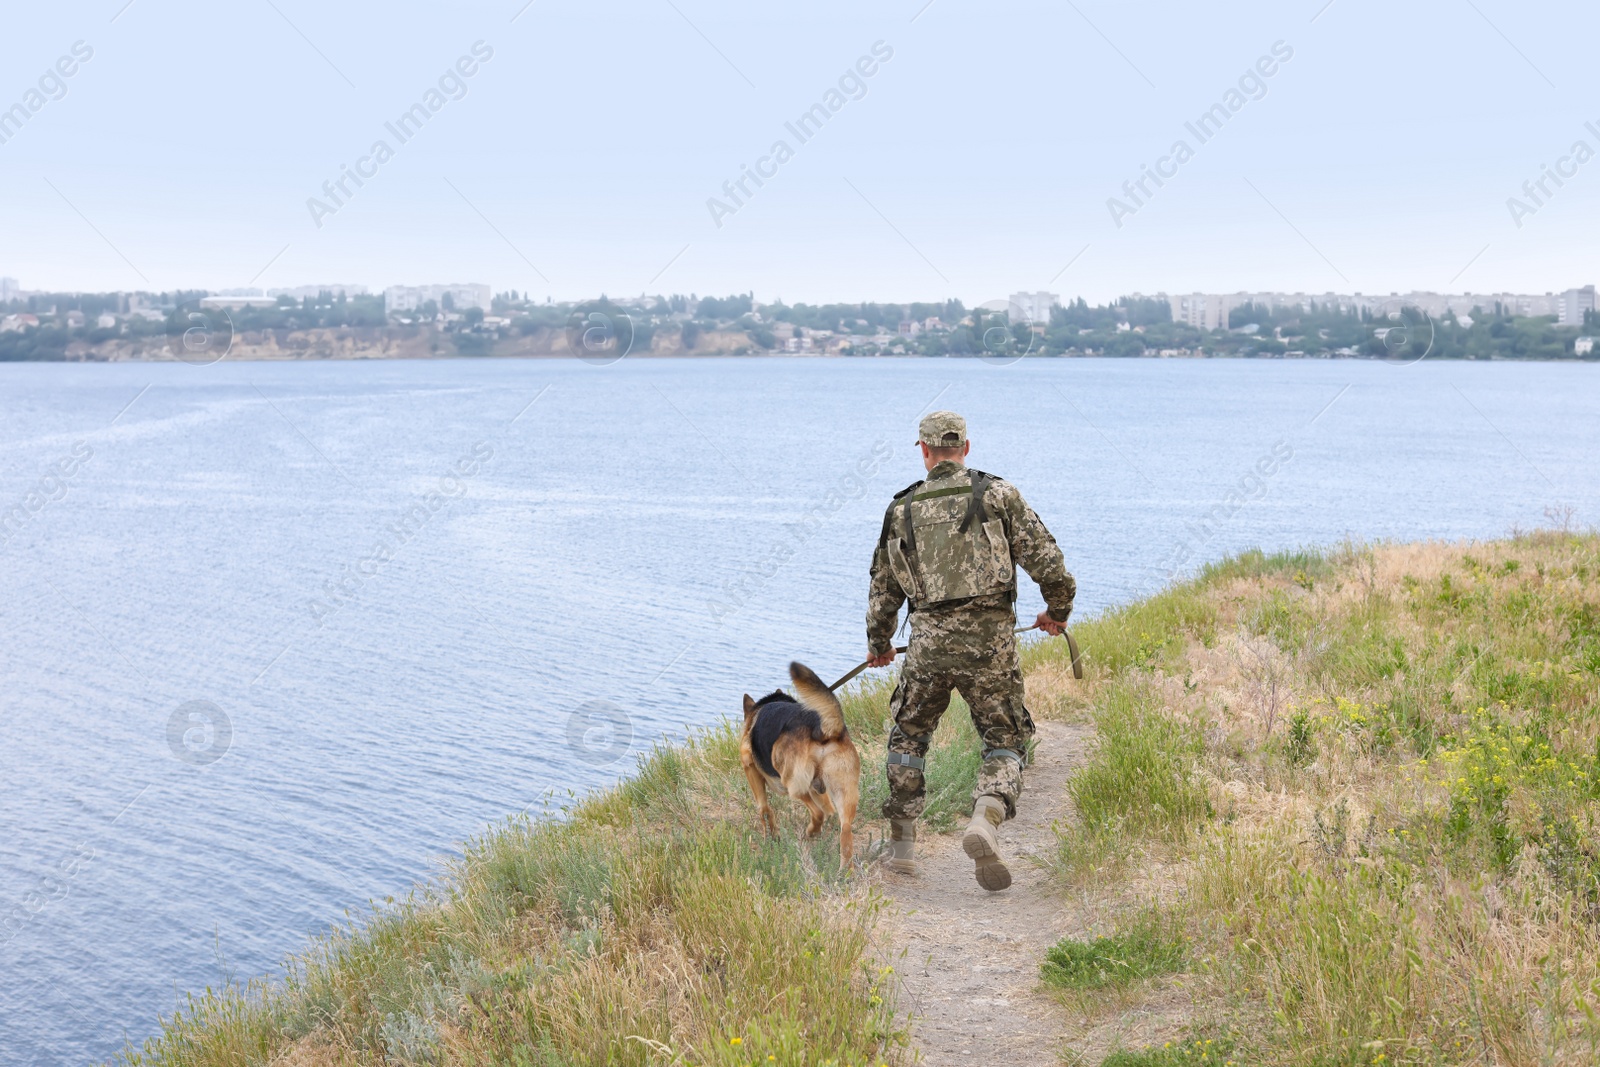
column 983, row 845
column 902, row 846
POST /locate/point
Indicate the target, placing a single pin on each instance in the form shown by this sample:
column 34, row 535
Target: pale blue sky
column 979, row 161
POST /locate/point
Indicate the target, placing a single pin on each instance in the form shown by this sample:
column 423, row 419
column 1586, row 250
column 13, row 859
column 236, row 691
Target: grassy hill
column 1344, row 808
column 1351, row 804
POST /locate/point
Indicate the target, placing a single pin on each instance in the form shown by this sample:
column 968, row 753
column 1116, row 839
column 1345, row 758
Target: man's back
column 944, row 546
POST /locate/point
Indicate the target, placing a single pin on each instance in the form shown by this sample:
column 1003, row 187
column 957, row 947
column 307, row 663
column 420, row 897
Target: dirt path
column 970, row 973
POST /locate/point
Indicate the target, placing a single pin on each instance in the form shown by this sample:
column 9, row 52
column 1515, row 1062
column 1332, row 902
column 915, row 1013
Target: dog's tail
column 820, row 699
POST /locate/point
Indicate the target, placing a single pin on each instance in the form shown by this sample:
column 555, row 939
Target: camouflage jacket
column 1030, row 544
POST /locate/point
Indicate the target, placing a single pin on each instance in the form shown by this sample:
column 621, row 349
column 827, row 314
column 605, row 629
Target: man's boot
column 983, row 845
column 902, row 845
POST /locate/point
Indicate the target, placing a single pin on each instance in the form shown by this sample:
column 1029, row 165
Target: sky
column 587, row 152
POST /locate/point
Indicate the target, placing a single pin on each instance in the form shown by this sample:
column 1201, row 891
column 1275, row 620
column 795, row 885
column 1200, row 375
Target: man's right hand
column 882, row 660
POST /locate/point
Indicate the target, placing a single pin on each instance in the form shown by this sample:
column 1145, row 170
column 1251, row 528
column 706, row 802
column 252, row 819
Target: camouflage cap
column 942, row 429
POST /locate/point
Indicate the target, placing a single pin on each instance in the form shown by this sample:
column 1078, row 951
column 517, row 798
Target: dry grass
column 1399, row 860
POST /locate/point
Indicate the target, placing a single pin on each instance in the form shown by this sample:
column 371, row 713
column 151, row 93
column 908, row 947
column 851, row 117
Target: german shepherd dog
column 803, row 747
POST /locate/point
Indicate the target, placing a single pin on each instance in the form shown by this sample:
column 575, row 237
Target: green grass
column 1146, row 947
column 1407, row 864
column 569, row 937
column 1305, row 566
column 1144, row 634
column 1140, row 780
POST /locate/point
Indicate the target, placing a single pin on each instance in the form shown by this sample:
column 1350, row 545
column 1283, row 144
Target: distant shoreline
column 467, row 321
column 324, row 343
column 359, row 356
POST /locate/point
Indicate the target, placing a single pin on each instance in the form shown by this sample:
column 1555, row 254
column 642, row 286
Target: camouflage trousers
column 972, row 650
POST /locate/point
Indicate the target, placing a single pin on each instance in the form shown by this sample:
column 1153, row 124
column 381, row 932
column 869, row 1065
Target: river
column 278, row 636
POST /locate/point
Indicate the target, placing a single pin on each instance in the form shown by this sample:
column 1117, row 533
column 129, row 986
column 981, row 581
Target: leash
column 1072, row 647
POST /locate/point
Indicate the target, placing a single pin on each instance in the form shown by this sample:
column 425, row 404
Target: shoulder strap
column 888, row 515
column 908, row 526
column 975, row 508
column 904, row 498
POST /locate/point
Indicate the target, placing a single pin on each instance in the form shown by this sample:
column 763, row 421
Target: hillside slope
column 1342, row 809
column 1336, row 808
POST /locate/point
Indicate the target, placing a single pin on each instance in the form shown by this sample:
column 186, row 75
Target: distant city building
column 1583, row 346
column 1202, row 311
column 106, row 320
column 9, row 289
column 1574, row 303
column 239, row 301
column 75, row 320
column 411, row 297
column 1032, row 307
column 1209, row 311
column 311, row 292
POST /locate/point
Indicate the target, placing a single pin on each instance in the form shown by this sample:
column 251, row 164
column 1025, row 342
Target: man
column 949, row 546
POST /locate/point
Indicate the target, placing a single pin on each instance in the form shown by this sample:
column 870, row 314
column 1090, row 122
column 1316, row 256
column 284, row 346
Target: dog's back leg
column 758, row 786
column 822, row 798
column 817, row 815
column 841, row 770
column 798, row 779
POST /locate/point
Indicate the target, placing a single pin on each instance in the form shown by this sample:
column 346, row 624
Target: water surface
column 415, row 597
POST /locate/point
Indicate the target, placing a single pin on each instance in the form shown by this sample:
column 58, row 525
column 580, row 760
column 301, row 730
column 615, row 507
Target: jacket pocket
column 900, row 567
column 1002, row 572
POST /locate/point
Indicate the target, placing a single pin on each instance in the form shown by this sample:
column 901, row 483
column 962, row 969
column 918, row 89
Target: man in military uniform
column 949, row 547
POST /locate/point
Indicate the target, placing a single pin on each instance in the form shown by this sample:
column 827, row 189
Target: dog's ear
column 749, row 707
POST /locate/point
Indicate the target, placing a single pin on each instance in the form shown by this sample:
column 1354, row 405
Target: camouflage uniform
column 963, row 642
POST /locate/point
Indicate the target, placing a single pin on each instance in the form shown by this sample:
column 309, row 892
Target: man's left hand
column 1049, row 625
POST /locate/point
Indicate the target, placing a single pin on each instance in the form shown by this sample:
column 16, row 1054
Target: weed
column 1148, row 946
column 1302, row 747
column 1197, row 1052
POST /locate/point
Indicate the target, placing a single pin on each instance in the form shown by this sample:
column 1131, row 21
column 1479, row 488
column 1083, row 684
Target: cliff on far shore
column 401, row 342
